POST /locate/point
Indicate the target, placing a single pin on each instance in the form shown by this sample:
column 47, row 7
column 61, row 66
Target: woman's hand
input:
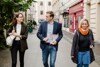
column 72, row 56
column 16, row 35
column 91, row 46
column 10, row 34
column 13, row 31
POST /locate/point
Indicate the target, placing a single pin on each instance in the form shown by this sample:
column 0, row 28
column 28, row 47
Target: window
column 79, row 18
column 66, row 20
column 41, row 12
column 49, row 3
column 41, row 3
column 29, row 16
column 70, row 22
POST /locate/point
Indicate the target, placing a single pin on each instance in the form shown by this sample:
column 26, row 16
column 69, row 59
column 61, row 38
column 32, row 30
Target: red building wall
column 75, row 13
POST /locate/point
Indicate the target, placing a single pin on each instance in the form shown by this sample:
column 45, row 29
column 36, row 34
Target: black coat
column 24, row 34
column 75, row 47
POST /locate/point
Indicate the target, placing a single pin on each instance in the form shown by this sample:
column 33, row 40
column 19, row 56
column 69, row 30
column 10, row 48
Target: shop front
column 75, row 15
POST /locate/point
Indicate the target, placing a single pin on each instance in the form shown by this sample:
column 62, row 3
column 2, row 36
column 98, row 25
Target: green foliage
column 7, row 9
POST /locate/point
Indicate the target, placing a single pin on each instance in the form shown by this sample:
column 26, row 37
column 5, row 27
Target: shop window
column 66, row 22
column 70, row 22
column 79, row 18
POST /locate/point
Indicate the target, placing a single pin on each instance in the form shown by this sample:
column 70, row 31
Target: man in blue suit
column 49, row 33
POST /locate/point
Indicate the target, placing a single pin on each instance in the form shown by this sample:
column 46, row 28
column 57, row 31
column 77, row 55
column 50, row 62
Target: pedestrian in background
column 83, row 43
column 19, row 30
column 49, row 33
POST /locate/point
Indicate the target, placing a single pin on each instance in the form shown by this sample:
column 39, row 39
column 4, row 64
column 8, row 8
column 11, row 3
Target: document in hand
column 52, row 37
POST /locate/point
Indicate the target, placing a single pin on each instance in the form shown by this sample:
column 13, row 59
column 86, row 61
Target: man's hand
column 45, row 39
column 54, row 42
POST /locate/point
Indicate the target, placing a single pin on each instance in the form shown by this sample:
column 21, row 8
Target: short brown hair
column 51, row 13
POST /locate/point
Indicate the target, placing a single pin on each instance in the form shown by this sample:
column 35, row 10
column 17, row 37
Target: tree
column 7, row 9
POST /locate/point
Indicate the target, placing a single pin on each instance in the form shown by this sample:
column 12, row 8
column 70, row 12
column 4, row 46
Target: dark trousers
column 15, row 48
column 49, row 50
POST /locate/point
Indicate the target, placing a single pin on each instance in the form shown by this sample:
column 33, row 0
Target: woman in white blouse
column 19, row 30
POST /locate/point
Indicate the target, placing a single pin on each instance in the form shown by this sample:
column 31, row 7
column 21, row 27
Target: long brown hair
column 14, row 21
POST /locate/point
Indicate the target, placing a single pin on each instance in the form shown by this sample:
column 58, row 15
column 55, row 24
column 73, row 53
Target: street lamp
column 65, row 13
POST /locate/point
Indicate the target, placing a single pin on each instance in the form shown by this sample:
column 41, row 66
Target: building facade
column 38, row 10
column 43, row 7
column 71, row 12
column 75, row 15
column 64, row 18
column 92, row 13
column 55, row 8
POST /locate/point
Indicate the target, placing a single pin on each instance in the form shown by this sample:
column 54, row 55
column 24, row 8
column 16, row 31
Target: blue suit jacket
column 42, row 33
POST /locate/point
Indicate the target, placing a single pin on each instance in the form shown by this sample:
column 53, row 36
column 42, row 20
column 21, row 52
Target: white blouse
column 18, row 31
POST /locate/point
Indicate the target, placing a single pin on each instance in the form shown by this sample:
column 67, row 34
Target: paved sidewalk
column 5, row 58
column 33, row 56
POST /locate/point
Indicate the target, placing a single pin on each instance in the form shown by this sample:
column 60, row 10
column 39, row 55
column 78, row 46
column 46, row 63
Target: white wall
column 45, row 8
column 93, row 14
column 98, row 22
column 37, row 8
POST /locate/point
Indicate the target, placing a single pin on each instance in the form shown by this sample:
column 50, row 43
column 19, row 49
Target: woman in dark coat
column 19, row 30
column 83, row 42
